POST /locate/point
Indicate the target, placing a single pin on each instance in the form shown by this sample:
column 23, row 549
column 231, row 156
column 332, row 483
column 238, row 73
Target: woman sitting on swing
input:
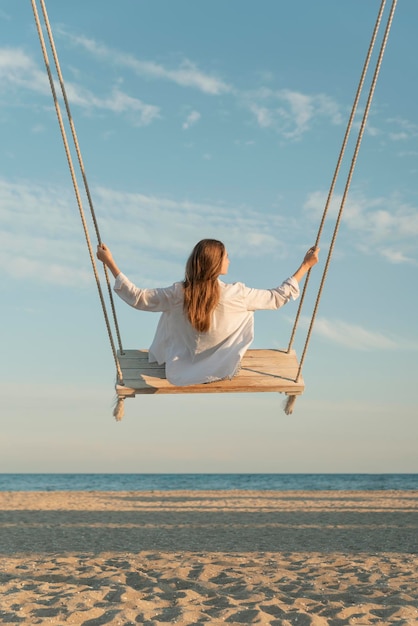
column 206, row 325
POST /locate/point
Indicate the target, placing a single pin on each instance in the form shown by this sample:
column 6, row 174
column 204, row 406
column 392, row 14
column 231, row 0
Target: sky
column 209, row 119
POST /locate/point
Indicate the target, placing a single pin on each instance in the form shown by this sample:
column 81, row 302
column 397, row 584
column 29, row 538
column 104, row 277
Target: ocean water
column 171, row 482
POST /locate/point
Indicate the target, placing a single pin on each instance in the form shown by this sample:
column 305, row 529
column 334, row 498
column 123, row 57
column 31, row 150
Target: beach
column 209, row 557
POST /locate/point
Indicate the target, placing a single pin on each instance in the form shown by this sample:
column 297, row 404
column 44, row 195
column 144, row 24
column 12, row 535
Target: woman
column 206, row 325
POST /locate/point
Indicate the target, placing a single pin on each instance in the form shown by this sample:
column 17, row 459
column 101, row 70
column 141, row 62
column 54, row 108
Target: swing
column 261, row 370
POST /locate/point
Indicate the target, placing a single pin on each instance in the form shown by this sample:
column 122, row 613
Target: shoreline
column 308, row 558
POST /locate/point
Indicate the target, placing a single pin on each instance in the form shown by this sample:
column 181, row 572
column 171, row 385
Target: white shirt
column 191, row 357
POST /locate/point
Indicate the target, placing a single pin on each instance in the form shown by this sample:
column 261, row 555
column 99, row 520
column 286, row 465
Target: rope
column 339, row 161
column 351, row 170
column 80, row 161
column 72, row 172
column 327, row 205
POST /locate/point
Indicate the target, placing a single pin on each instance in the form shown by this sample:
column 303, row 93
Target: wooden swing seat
column 261, row 371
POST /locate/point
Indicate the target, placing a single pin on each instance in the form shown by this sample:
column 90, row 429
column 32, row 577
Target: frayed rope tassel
column 290, row 403
column 119, row 410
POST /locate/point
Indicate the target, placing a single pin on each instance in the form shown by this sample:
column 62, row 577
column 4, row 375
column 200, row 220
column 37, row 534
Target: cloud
column 290, row 113
column 396, row 129
column 38, row 235
column 18, row 70
column 396, row 256
column 187, row 74
column 386, row 226
column 353, row 336
column 192, row 118
column 140, row 114
column 41, row 236
column 404, row 129
column 401, row 136
column 263, row 115
column 169, row 226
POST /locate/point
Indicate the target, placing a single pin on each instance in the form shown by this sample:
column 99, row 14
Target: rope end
column 289, row 405
column 119, row 410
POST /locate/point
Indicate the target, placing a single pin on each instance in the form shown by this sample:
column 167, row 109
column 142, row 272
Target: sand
column 212, row 557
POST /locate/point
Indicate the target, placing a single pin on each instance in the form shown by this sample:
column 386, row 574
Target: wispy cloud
column 291, row 113
column 402, row 129
column 18, row 70
column 395, row 129
column 38, row 235
column 263, row 116
column 386, row 226
column 191, row 120
column 288, row 112
column 396, row 256
column 41, row 236
column 187, row 74
column 173, row 226
column 139, row 113
column 356, row 337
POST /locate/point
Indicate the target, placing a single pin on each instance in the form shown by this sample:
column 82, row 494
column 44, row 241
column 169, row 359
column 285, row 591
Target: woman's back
column 206, row 325
column 193, row 357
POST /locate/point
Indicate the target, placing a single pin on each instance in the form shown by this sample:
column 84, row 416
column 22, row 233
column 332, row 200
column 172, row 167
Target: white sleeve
column 155, row 300
column 258, row 299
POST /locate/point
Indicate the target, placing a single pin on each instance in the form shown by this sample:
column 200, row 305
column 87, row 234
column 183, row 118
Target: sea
column 191, row 482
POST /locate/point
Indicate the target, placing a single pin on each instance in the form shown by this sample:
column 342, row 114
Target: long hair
column 201, row 287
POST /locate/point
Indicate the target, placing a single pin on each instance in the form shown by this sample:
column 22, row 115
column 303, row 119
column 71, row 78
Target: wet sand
column 209, row 557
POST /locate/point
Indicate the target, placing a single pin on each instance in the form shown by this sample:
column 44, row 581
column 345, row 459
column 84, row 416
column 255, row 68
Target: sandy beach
column 209, row 557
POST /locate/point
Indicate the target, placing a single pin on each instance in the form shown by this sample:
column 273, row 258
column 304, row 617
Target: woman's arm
column 257, row 299
column 104, row 255
column 156, row 300
column 311, row 259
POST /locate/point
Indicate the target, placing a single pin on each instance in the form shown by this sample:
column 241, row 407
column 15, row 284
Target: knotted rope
column 74, row 178
column 291, row 399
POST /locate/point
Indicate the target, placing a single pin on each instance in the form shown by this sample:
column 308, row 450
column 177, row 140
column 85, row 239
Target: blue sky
column 220, row 119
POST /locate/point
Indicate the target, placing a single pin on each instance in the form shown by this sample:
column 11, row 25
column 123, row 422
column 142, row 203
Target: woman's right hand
column 311, row 257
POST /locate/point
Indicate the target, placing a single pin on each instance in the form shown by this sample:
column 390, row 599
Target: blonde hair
column 201, row 287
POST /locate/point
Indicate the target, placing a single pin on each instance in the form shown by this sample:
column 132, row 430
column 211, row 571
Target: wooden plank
column 261, row 371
